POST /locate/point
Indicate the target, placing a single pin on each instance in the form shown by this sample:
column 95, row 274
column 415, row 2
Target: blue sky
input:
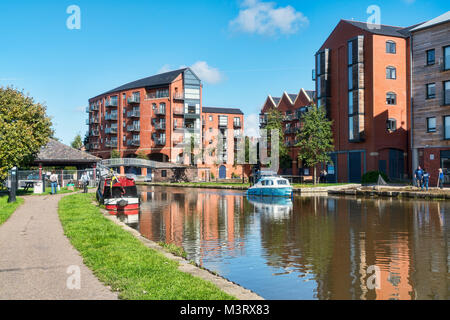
column 243, row 50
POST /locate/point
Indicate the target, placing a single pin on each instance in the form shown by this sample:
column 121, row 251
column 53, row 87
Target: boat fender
column 122, row 203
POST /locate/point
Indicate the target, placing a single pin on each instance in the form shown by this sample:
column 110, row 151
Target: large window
column 391, row 73
column 447, row 92
column 431, row 57
column 391, row 98
column 431, row 91
column 391, row 47
column 447, row 58
column 350, row 103
column 431, row 124
column 447, row 127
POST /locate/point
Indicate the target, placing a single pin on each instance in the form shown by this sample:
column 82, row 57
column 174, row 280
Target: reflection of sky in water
column 308, row 248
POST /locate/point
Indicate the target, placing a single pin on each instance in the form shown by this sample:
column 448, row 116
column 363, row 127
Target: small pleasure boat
column 271, row 187
column 119, row 195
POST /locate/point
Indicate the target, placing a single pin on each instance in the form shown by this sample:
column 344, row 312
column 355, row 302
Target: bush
column 372, row 177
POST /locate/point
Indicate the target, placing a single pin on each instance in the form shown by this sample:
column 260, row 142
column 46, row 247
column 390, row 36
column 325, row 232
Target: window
column 431, row 57
column 350, row 52
column 350, row 103
column 391, row 47
column 447, row 58
column 391, row 73
column 351, row 135
column 391, row 124
column 447, row 127
column 210, row 118
column 431, row 91
column 391, row 98
column 447, row 93
column 431, row 124
column 350, row 78
column 164, row 173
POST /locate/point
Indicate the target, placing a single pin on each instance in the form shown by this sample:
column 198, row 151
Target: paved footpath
column 35, row 257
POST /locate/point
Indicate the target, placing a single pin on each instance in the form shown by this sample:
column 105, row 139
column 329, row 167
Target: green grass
column 174, row 249
column 7, row 209
column 121, row 261
column 48, row 190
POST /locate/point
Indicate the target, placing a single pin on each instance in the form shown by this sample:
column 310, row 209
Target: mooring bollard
column 13, row 186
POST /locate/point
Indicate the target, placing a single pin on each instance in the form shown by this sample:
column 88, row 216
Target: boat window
column 282, row 182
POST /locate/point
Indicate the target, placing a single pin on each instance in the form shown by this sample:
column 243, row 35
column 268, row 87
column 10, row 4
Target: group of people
column 54, row 182
column 422, row 178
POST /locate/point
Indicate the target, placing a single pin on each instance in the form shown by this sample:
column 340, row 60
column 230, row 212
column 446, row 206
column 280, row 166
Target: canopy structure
column 57, row 154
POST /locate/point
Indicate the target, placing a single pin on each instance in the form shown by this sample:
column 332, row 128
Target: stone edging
column 227, row 286
column 392, row 194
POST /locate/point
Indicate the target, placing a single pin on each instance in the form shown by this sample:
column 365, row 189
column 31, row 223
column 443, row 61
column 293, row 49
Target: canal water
column 308, row 247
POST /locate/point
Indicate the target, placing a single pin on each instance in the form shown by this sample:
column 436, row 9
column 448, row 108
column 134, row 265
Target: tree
column 315, row 139
column 115, row 154
column 77, row 143
column 275, row 122
column 24, row 129
column 141, row 155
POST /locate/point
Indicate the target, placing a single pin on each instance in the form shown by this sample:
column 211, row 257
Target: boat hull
column 271, row 192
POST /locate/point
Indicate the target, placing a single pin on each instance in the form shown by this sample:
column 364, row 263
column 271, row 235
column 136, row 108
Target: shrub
column 372, row 177
column 213, row 176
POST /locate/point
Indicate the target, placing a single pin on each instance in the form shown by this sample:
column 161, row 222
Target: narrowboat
column 119, row 195
column 271, row 187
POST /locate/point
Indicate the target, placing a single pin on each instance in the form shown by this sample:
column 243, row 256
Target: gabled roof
column 58, row 153
column 153, row 81
column 293, row 97
column 433, row 22
column 311, row 94
column 384, row 30
column 221, row 110
column 276, row 100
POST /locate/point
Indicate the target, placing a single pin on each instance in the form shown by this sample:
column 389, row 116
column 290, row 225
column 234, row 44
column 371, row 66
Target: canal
column 310, row 247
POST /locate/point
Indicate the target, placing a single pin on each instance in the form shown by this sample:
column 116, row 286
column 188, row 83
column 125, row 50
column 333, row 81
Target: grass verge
column 7, row 209
column 121, row 261
column 22, row 192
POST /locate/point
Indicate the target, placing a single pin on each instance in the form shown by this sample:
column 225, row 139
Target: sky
column 243, row 50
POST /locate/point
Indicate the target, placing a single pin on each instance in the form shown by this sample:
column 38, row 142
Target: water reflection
column 308, row 248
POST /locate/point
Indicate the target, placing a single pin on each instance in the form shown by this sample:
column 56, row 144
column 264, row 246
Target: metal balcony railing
column 111, row 144
column 134, row 142
column 134, row 100
column 94, row 133
column 111, row 117
column 133, row 128
column 160, row 126
column 160, row 142
column 111, row 130
column 111, row 103
column 160, row 112
column 178, row 96
column 178, row 111
column 94, row 121
column 134, row 114
column 237, row 124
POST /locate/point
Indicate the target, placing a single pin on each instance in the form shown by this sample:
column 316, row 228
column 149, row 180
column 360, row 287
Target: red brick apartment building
column 291, row 107
column 154, row 116
column 430, row 43
column 362, row 79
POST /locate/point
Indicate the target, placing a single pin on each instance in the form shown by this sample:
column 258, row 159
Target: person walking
column 441, row 179
column 426, row 179
column 85, row 180
column 54, row 182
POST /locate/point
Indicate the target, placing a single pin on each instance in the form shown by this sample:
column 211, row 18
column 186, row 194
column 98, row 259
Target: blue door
column 354, row 167
column 222, row 172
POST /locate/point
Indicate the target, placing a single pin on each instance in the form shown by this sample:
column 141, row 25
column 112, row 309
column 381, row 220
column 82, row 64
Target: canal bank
column 304, row 190
column 394, row 192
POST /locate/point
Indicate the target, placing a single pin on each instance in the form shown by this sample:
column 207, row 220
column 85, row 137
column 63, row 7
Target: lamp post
column 13, row 186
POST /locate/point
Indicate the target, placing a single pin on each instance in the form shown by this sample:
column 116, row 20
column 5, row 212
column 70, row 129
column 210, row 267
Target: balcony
column 237, row 124
column 160, row 142
column 263, row 120
column 160, row 126
column 288, row 117
column 134, row 100
column 88, row 122
column 94, row 146
column 94, row 121
column 111, row 117
column 160, row 112
column 111, row 144
column 178, row 96
column 94, row 107
column 94, row 133
column 88, row 109
column 223, row 125
column 133, row 128
column 111, row 103
column 134, row 114
column 111, row 130
column 134, row 142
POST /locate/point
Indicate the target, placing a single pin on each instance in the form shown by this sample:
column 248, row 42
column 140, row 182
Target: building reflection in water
column 278, row 247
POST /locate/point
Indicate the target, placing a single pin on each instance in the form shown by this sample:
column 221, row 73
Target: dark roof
column 276, row 100
column 57, row 152
column 153, row 81
column 292, row 96
column 384, row 30
column 221, row 110
column 311, row 94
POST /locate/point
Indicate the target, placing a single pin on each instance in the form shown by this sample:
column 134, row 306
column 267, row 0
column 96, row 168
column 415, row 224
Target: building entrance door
column 354, row 167
column 445, row 165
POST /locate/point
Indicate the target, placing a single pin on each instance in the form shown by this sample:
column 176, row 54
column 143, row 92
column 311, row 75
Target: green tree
column 141, row 155
column 24, row 129
column 115, row 154
column 275, row 122
column 77, row 143
column 315, row 139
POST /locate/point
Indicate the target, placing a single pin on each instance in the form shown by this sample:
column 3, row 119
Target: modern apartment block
column 154, row 116
column 291, row 107
column 362, row 80
column 430, row 43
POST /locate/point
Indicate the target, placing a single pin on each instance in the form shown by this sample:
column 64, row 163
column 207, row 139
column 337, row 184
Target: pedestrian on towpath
column 441, row 179
column 426, row 179
column 85, row 181
column 54, row 182
column 418, row 175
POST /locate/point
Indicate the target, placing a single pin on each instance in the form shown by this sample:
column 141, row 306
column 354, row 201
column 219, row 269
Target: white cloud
column 207, row 73
column 265, row 18
column 165, row 68
column 251, row 125
column 80, row 109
